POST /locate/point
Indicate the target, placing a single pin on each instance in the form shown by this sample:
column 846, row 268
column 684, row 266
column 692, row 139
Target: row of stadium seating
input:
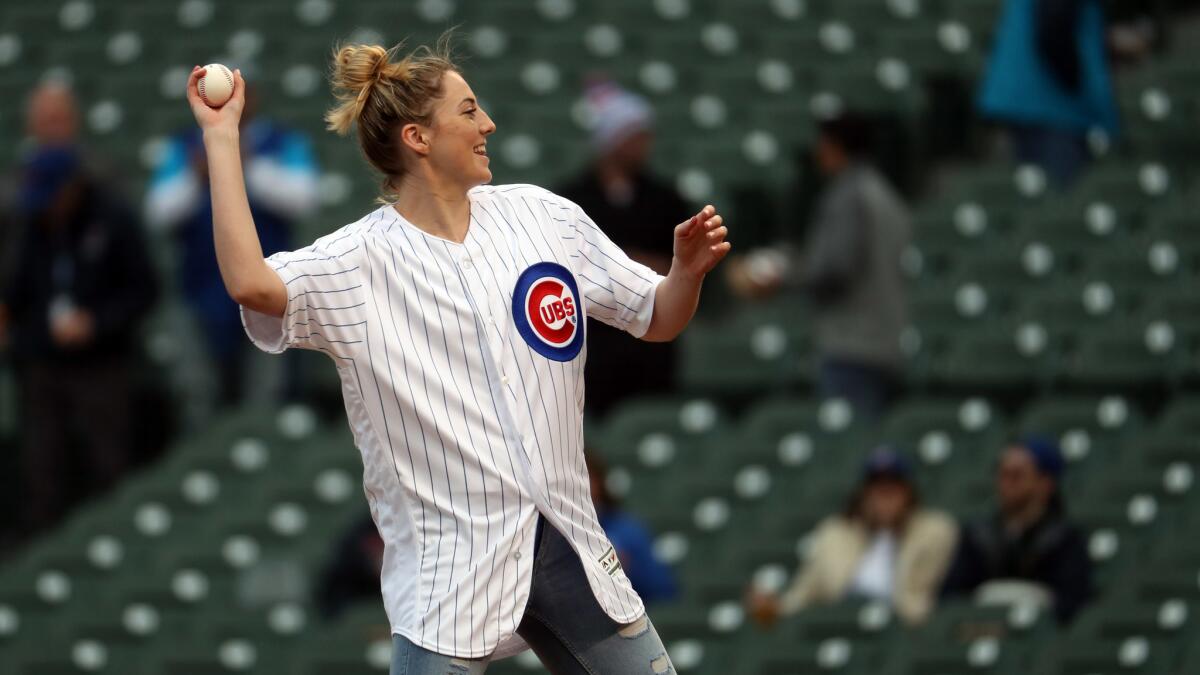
column 203, row 562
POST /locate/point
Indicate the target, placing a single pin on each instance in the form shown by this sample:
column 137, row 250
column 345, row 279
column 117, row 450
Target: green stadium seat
column 1005, row 359
column 999, row 186
column 1019, row 266
column 81, row 656
column 956, row 307
column 762, row 15
column 964, row 221
column 884, row 85
column 934, row 49
column 1134, row 655
column 1132, row 356
column 1090, row 431
column 758, row 350
column 961, row 623
column 1118, row 617
column 799, row 434
column 946, row 439
column 1082, row 305
column 191, row 657
column 762, row 655
column 1129, row 185
column 1145, row 263
column 1182, row 417
column 979, row 16
column 982, row 655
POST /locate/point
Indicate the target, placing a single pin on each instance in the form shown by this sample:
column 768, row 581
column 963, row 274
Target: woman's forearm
column 247, row 277
column 675, row 300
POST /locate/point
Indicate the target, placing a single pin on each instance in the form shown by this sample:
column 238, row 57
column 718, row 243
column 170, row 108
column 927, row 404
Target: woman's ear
column 415, row 137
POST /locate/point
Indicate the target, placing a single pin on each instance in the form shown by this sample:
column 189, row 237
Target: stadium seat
column 758, row 351
column 1086, row 428
column 1134, row 654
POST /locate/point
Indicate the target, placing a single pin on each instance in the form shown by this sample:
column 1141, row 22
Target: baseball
column 216, row 86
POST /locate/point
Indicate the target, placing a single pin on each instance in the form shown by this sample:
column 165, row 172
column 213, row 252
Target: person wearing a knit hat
column 1029, row 538
column 618, row 189
column 617, row 116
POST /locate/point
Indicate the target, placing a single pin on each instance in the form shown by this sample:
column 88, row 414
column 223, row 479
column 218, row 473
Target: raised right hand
column 216, row 119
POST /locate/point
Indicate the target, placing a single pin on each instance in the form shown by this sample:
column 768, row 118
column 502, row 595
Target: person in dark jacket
column 71, row 307
column 1030, row 537
column 619, row 190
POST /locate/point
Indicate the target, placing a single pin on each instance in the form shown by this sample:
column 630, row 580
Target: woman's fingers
column 239, row 85
column 685, row 228
column 193, row 84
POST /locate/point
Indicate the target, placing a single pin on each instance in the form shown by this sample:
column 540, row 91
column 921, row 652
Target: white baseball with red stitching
column 216, row 86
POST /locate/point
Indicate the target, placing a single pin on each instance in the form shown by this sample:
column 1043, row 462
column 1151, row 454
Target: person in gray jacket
column 849, row 269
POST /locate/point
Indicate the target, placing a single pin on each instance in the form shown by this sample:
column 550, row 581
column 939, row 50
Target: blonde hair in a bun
column 378, row 94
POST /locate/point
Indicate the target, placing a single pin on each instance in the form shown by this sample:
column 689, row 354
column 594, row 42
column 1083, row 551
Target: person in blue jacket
column 281, row 183
column 1048, row 82
column 634, row 543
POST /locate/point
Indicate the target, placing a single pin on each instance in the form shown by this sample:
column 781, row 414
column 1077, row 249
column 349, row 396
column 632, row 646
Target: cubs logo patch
column 547, row 311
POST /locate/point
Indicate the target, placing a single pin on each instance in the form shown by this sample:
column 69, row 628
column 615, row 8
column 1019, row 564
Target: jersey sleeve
column 618, row 290
column 326, row 305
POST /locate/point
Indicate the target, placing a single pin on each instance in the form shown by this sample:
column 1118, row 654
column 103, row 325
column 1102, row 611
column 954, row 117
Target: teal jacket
column 1018, row 88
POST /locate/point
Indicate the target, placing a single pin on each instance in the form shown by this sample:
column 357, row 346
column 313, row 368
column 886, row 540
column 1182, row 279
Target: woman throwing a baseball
column 455, row 315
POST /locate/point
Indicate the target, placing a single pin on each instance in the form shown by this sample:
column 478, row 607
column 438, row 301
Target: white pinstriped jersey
column 462, row 372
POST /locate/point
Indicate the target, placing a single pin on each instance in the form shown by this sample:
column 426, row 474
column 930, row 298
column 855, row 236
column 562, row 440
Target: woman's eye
column 470, row 112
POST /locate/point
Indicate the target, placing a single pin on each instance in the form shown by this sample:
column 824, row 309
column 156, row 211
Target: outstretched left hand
column 700, row 243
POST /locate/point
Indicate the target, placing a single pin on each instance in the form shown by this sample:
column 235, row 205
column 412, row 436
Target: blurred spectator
column 71, row 308
column 652, row 580
column 884, row 546
column 850, row 270
column 353, row 570
column 281, row 183
column 1029, row 549
column 1048, row 80
column 638, row 212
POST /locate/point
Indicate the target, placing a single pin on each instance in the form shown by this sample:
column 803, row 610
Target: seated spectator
column 884, row 546
column 634, row 543
column 1029, row 538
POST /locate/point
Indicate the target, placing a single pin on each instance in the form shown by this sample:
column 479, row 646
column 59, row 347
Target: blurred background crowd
column 938, row 411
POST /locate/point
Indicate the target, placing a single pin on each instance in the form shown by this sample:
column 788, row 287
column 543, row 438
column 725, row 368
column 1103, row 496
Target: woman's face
column 459, row 130
column 886, row 502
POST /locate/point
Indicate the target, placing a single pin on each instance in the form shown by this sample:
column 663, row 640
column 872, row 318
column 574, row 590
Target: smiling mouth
column 481, row 150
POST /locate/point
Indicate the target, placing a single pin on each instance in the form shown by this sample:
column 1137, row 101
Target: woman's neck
column 438, row 210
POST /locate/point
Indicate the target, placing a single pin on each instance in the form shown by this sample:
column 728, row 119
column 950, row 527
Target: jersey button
column 466, row 263
column 503, row 379
column 517, row 555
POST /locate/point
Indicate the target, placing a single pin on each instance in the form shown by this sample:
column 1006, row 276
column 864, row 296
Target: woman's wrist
column 221, row 136
column 680, row 272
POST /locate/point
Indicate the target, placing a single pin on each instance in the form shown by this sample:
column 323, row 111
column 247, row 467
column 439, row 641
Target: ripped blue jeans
column 566, row 628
